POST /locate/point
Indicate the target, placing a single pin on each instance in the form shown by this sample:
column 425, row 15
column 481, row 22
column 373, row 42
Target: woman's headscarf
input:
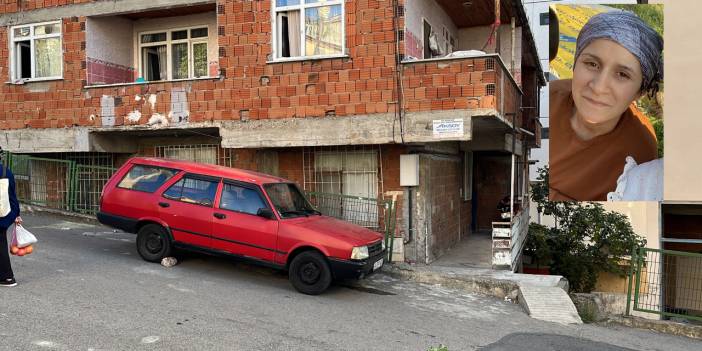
column 629, row 31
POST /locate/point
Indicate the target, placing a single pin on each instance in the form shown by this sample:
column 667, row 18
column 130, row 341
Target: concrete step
column 550, row 304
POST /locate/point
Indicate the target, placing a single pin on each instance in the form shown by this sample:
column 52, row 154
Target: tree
column 585, row 241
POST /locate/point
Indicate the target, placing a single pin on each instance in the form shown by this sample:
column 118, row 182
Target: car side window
column 146, row 178
column 241, row 199
column 194, row 191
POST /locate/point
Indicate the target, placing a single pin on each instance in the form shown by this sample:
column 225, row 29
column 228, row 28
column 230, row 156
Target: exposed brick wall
column 446, row 204
column 363, row 83
column 446, row 85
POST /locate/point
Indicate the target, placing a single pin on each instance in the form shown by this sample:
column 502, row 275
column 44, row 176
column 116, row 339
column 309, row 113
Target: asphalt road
column 86, row 288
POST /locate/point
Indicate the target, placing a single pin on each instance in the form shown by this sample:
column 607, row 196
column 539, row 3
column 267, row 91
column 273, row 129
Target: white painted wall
column 110, row 39
column 416, row 10
column 474, row 38
column 208, row 19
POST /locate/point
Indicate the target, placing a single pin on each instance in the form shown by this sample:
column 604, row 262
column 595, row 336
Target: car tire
column 153, row 243
column 309, row 273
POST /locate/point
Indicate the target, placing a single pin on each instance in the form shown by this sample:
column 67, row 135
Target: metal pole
column 631, row 278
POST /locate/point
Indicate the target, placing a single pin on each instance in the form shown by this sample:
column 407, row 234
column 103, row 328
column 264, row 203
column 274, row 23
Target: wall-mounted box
column 409, row 170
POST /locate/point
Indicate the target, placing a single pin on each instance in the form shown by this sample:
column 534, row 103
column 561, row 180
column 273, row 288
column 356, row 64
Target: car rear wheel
column 309, row 273
column 153, row 243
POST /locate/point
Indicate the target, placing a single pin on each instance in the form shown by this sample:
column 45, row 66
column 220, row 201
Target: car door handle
column 220, row 215
column 164, row 204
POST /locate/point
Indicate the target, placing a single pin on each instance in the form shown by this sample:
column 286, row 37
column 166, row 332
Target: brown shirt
column 586, row 170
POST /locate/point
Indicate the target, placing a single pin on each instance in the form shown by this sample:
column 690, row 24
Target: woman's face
column 606, row 79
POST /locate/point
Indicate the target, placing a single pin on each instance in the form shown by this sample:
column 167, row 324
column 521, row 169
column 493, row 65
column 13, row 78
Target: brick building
column 327, row 93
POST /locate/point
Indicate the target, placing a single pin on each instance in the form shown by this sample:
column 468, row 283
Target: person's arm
column 14, row 204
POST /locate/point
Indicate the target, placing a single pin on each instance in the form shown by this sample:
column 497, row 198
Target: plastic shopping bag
column 22, row 237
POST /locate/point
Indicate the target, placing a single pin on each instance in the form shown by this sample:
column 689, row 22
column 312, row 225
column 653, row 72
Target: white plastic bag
column 22, row 237
column 4, row 197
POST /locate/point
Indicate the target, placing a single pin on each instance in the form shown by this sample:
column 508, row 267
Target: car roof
column 211, row 170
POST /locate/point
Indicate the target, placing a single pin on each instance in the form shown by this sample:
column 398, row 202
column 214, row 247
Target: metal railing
column 666, row 282
column 58, row 184
column 375, row 214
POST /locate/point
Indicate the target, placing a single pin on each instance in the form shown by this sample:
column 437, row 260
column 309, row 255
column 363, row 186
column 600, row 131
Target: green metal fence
column 58, row 184
column 666, row 282
column 375, row 214
column 88, row 184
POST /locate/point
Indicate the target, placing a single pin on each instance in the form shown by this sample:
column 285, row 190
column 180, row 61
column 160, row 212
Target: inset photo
column 606, row 104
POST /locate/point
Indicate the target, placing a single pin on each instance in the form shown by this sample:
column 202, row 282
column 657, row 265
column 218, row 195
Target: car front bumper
column 352, row 269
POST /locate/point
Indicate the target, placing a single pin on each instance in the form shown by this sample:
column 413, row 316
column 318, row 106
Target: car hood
column 350, row 232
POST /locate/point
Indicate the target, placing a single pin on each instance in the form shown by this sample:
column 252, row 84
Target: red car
column 176, row 204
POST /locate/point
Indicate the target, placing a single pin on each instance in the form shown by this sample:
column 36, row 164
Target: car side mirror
column 265, row 213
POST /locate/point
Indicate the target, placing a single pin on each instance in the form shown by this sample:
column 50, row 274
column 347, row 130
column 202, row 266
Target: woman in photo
column 594, row 122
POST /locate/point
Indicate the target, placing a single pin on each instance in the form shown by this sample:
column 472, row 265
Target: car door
column 237, row 228
column 188, row 208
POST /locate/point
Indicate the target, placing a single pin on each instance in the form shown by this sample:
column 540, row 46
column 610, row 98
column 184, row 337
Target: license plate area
column 378, row 264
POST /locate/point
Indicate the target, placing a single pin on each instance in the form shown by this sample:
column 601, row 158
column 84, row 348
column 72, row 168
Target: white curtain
column 47, row 56
column 162, row 62
column 294, row 33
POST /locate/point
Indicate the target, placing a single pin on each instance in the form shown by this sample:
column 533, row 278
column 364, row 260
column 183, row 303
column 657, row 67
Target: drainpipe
column 514, row 33
column 497, row 26
column 409, row 215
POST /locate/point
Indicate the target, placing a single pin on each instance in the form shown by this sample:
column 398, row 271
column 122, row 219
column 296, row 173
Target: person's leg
column 5, row 267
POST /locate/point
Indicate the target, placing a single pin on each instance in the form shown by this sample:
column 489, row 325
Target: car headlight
column 359, row 253
column 383, row 244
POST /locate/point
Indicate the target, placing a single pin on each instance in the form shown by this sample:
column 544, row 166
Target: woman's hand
column 18, row 220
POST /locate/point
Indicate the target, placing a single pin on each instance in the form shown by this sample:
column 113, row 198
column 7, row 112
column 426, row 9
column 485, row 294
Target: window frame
column 246, row 185
column 169, row 50
column 31, row 38
column 302, row 6
column 195, row 176
column 134, row 165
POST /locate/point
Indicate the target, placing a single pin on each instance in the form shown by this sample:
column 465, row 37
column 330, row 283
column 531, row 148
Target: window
column 173, row 54
column 288, row 200
column 544, row 132
column 36, row 51
column 192, row 189
column 241, row 199
column 543, row 18
column 308, row 28
column 146, row 178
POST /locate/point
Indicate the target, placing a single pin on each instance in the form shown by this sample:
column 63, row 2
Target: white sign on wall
column 448, row 128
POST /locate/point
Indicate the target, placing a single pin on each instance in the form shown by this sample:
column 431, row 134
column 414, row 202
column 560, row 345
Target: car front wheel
column 153, row 243
column 309, row 273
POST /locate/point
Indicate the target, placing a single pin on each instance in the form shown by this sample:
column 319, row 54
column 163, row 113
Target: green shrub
column 585, row 241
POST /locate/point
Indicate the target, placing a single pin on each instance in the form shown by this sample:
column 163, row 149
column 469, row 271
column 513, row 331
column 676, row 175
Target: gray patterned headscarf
column 629, row 31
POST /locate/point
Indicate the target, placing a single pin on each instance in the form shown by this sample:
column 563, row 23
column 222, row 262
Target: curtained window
column 308, row 29
column 36, row 51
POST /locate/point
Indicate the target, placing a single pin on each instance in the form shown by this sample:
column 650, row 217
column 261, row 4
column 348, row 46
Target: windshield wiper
column 294, row 212
column 313, row 211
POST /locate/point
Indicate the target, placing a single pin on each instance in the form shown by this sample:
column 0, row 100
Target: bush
column 586, row 240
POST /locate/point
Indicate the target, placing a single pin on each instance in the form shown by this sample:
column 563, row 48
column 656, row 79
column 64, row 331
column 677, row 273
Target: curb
column 502, row 289
column 38, row 209
column 667, row 327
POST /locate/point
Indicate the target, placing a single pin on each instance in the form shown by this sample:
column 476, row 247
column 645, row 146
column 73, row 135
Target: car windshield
column 289, row 201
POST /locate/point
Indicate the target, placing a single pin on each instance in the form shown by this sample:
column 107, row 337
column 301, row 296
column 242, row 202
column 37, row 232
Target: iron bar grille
column 668, row 283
